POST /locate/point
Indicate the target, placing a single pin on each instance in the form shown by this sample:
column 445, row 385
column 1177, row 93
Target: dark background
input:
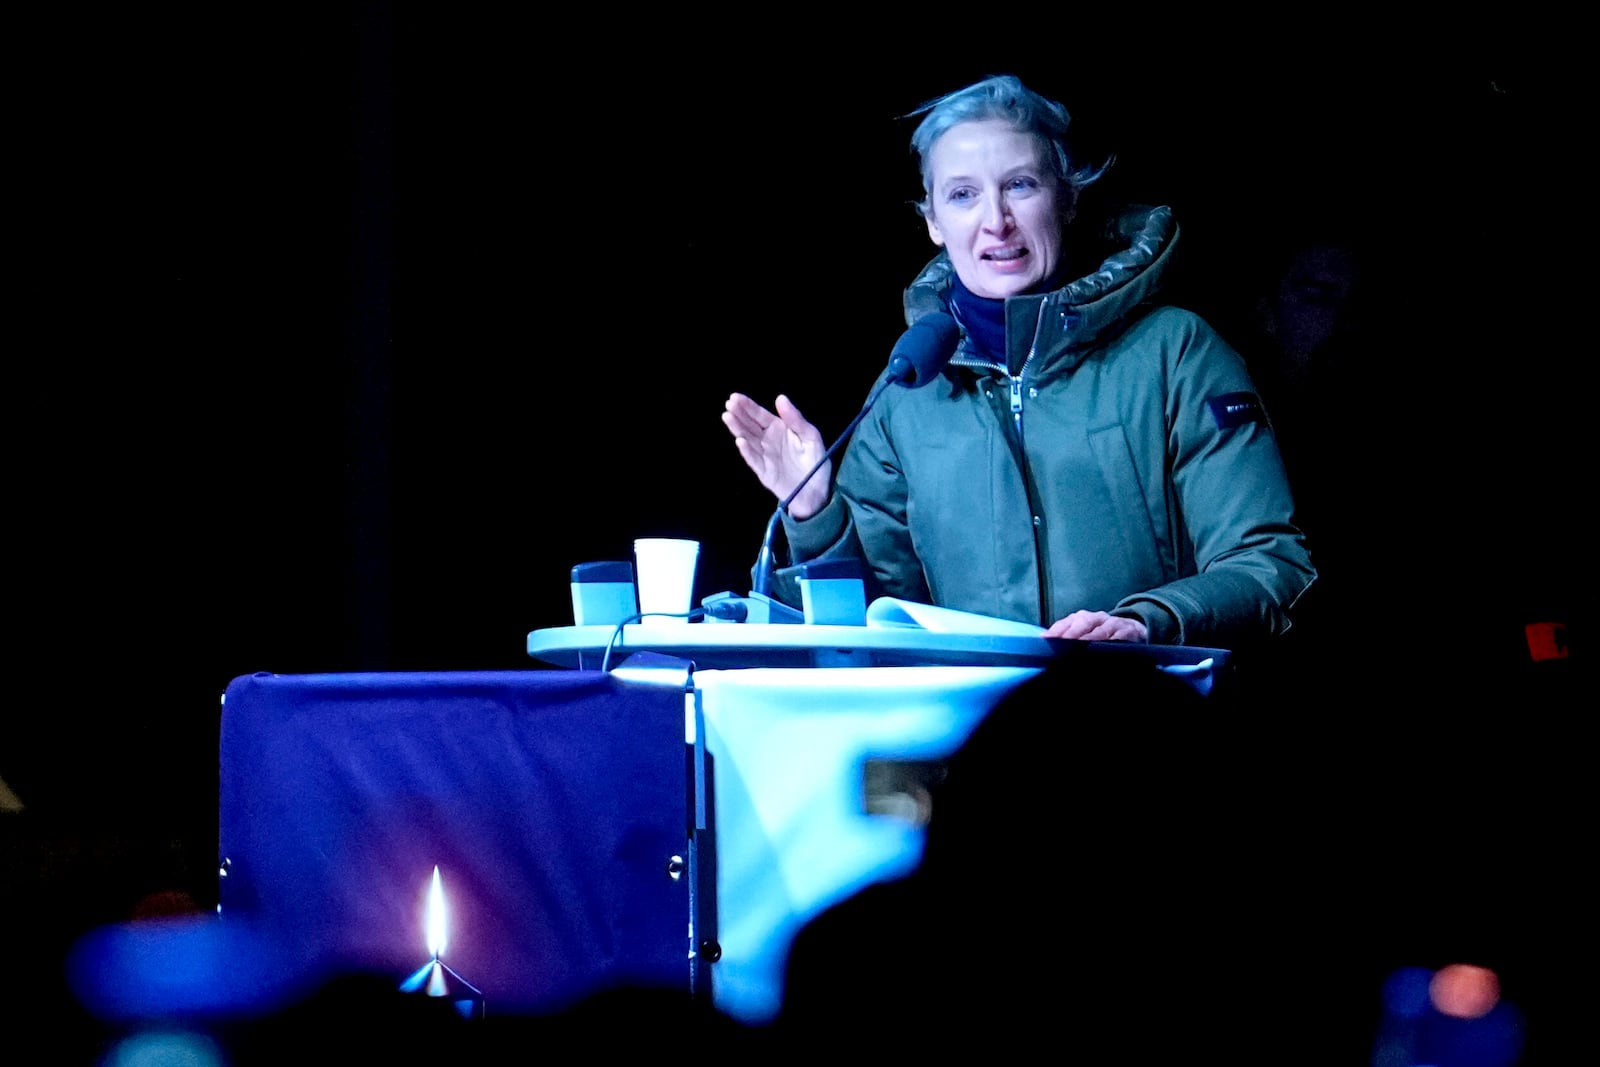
column 341, row 336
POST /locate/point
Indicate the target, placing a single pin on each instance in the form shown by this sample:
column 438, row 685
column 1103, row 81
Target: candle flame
column 436, row 917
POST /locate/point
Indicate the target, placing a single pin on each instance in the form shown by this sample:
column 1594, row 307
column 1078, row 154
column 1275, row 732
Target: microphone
column 919, row 355
column 916, row 359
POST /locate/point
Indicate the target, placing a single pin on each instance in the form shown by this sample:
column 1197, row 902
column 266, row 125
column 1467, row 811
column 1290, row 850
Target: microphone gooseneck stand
column 918, row 356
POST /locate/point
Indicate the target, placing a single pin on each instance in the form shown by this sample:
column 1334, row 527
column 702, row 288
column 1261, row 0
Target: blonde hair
column 1002, row 96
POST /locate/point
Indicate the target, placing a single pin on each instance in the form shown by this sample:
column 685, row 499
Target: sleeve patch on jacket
column 1236, row 409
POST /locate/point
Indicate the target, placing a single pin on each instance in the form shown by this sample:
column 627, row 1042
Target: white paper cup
column 664, row 570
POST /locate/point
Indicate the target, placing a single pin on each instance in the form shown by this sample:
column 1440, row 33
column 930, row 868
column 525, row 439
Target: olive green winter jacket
column 1127, row 466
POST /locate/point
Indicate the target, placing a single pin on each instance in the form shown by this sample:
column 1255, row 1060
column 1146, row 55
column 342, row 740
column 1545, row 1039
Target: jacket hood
column 1134, row 247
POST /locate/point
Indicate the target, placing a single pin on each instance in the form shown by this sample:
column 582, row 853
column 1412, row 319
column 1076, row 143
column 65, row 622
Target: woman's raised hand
column 781, row 448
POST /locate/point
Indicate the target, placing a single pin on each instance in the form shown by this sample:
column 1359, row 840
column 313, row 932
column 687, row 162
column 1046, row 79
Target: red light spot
column 1464, row 991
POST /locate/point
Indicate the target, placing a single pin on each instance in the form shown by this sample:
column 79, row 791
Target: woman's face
column 996, row 207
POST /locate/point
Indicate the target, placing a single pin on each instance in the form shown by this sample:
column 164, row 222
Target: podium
column 807, row 740
column 672, row 822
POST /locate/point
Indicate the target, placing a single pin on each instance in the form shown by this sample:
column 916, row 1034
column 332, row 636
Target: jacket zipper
column 1027, row 482
column 1016, row 380
column 1016, row 422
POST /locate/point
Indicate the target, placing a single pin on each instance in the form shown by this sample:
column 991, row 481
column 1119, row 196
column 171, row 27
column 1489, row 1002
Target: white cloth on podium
column 793, row 836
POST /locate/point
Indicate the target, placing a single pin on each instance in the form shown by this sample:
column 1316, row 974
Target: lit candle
column 435, row 978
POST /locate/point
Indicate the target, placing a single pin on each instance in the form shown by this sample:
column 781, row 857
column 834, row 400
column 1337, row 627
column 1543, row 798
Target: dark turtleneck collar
column 984, row 318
